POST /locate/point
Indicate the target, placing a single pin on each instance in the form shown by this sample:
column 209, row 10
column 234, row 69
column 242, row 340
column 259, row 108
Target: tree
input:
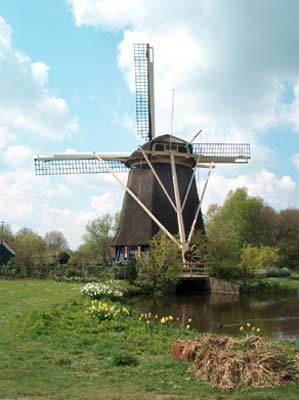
column 257, row 259
column 6, row 234
column 249, row 219
column 55, row 241
column 289, row 252
column 98, row 238
column 83, row 255
column 162, row 264
column 221, row 249
column 288, row 225
column 29, row 246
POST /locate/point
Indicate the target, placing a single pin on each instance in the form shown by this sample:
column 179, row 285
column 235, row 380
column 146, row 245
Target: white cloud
column 278, row 192
column 45, row 203
column 40, row 72
column 106, row 203
column 29, row 201
column 295, row 160
column 231, row 65
column 292, row 113
column 6, row 137
column 5, row 34
column 25, row 101
column 129, row 123
column 228, row 62
column 18, row 156
column 112, row 14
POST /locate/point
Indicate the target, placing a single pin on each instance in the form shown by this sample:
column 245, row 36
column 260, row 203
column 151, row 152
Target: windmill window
column 182, row 149
column 171, row 146
column 159, row 147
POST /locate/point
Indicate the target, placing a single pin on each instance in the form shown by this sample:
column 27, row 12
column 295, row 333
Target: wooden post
column 138, row 201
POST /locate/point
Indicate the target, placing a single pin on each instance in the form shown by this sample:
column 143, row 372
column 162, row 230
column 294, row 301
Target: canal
column 275, row 315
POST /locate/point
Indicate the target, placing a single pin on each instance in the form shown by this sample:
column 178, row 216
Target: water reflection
column 275, row 315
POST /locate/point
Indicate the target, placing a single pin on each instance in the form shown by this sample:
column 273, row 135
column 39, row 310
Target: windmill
column 161, row 192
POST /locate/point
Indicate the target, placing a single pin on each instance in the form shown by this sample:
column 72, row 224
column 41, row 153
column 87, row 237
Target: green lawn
column 62, row 353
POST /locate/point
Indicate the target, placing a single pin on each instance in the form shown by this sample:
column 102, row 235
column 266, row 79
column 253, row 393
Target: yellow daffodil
column 241, row 328
column 248, row 324
column 258, row 330
column 147, row 322
column 190, row 320
column 253, row 328
column 188, row 326
column 170, row 317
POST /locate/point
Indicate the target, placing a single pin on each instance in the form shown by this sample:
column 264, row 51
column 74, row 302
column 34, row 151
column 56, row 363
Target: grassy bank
column 51, row 348
column 289, row 284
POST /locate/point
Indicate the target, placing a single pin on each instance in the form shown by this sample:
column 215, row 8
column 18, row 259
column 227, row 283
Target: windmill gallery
column 161, row 192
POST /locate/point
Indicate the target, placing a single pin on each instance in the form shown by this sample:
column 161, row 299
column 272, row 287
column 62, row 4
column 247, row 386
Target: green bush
column 277, row 272
column 122, row 358
column 162, row 264
column 118, row 272
column 256, row 260
column 130, row 271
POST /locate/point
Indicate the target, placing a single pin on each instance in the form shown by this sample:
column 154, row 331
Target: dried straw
column 230, row 363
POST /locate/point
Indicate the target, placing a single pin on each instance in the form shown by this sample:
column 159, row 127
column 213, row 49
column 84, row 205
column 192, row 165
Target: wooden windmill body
column 161, row 193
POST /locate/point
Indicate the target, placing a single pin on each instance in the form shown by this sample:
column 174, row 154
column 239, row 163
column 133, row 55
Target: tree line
column 245, row 236
column 34, row 250
column 242, row 237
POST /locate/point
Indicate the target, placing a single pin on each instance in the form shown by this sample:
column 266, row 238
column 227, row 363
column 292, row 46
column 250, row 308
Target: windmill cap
column 148, row 147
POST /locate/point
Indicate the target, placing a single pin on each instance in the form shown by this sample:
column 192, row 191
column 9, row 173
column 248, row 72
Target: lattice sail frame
column 218, row 153
column 144, row 83
column 222, row 152
column 66, row 166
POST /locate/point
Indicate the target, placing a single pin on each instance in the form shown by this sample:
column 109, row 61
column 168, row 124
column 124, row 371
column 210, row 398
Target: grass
column 289, row 284
column 50, row 348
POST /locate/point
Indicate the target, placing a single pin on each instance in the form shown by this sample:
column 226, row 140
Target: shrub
column 130, row 271
column 255, row 260
column 277, row 272
column 119, row 272
column 162, row 264
column 63, row 258
column 122, row 359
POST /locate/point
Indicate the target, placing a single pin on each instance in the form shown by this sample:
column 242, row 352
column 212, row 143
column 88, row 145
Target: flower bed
column 98, row 290
column 103, row 310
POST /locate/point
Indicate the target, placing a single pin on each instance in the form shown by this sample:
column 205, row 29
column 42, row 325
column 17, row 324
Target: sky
column 67, row 84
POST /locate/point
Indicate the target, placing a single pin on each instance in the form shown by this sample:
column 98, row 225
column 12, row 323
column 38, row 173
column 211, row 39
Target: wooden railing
column 195, row 271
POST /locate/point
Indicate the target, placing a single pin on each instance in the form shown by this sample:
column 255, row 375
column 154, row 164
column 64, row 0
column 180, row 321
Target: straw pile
column 231, row 363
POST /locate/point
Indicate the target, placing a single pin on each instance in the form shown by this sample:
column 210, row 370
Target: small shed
column 6, row 252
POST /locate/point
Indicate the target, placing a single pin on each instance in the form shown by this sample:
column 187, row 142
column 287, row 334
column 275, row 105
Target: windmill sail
column 144, row 81
column 79, row 163
column 161, row 192
column 222, row 153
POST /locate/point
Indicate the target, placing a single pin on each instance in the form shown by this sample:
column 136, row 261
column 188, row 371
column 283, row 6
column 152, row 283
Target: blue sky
column 66, row 82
